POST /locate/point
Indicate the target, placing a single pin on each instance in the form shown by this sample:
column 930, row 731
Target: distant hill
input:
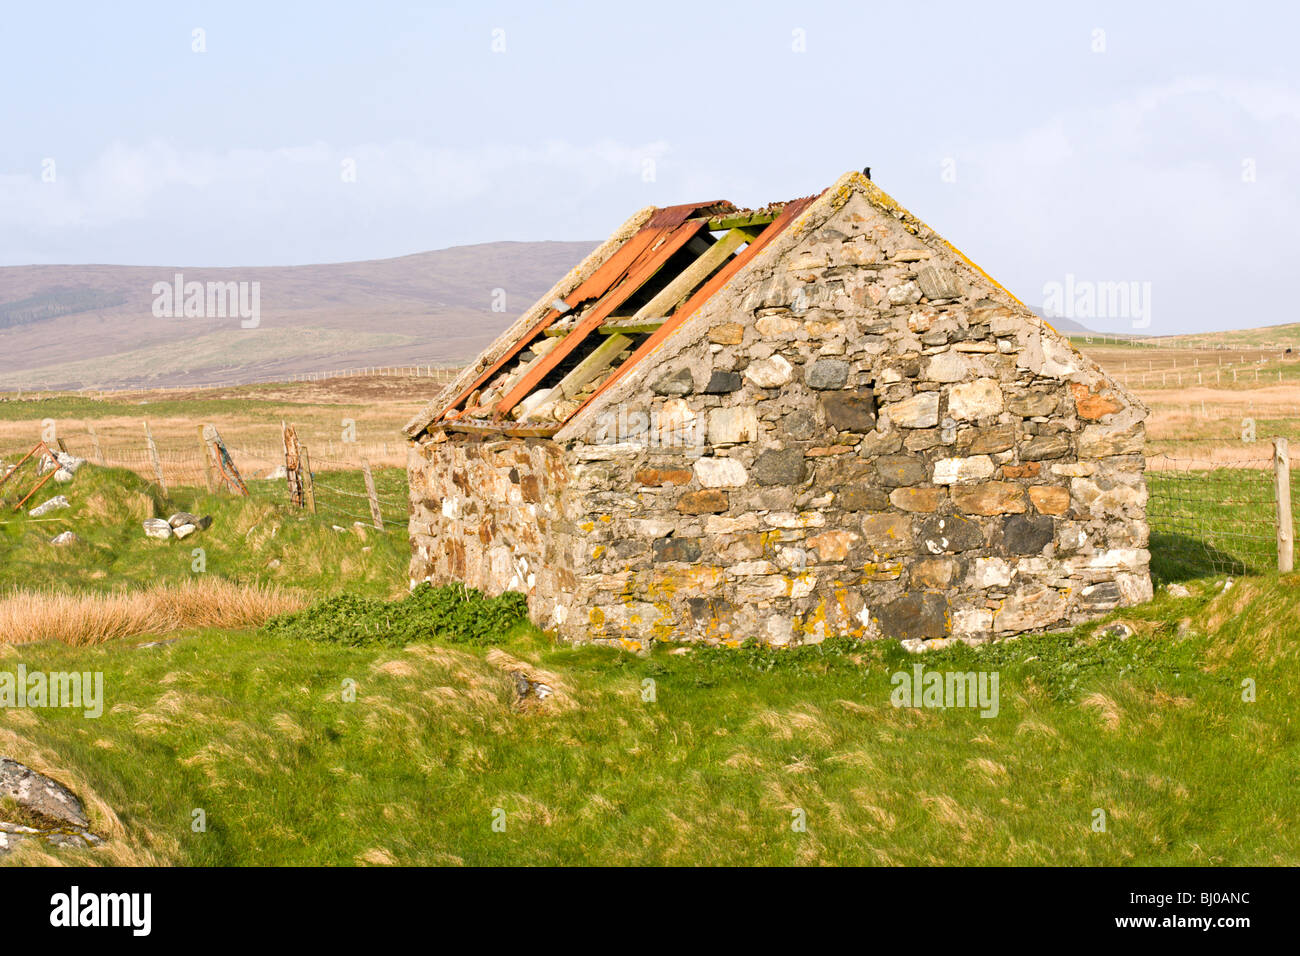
column 1063, row 325
column 1267, row 336
column 94, row 325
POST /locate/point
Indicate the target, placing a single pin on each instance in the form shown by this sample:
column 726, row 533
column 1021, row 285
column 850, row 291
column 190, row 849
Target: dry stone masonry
column 861, row 433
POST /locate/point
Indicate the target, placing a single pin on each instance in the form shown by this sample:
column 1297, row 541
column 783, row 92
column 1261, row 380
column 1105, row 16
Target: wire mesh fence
column 170, row 461
column 1213, row 507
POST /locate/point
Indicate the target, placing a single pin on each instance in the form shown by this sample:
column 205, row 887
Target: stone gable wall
column 493, row 514
column 863, row 436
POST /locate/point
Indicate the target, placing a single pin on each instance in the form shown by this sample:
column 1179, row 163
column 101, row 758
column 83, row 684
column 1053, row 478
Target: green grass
column 81, row 408
column 260, row 539
column 1212, row 522
column 255, row 730
column 302, row 744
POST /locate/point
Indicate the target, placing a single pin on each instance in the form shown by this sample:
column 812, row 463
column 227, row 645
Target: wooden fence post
column 375, row 515
column 221, row 458
column 292, row 464
column 94, row 441
column 1282, row 488
column 153, row 453
column 308, row 482
column 207, row 462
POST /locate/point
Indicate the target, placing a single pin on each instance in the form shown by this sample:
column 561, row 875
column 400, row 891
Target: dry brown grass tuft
column 1106, row 709
column 87, row 619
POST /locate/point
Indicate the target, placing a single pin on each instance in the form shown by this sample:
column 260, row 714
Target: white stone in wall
column 947, row 367
column 972, row 620
column 981, row 398
column 720, row 524
column 733, row 425
column 769, row 373
column 787, row 519
column 951, row 471
column 650, row 527
column 802, row 586
column 990, row 573
column 919, row 411
column 720, row 473
column 1128, row 559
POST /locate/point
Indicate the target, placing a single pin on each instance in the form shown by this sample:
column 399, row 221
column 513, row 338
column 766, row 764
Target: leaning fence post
column 220, row 456
column 308, row 480
column 153, row 453
column 1282, row 489
column 375, row 513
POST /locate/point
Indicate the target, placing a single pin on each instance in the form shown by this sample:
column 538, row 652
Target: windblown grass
column 85, row 619
column 327, row 753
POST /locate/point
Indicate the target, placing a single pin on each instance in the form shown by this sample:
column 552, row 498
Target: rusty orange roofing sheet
column 606, row 277
column 667, row 240
column 705, row 292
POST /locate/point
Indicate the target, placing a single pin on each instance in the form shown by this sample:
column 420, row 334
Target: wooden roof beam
column 676, row 291
column 744, row 220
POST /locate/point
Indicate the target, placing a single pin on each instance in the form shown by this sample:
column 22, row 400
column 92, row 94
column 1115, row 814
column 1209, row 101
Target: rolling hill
column 75, row 326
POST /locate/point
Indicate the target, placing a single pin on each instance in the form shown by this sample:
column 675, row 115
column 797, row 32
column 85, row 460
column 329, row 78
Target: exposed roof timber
column 680, row 287
column 590, row 307
column 631, row 326
column 649, row 318
column 585, row 371
column 789, row 213
column 510, row 429
column 666, row 242
column 744, row 220
column 438, row 402
column 593, row 287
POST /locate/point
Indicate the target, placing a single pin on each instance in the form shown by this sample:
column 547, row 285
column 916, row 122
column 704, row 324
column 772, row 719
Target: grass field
column 706, row 757
column 338, row 747
column 734, row 747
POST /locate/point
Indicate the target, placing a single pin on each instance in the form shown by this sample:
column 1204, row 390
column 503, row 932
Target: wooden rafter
column 720, row 279
column 669, row 241
column 587, row 369
column 744, row 220
column 604, row 278
column 631, row 326
column 679, row 288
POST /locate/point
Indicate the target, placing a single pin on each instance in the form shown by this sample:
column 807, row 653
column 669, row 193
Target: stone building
column 784, row 423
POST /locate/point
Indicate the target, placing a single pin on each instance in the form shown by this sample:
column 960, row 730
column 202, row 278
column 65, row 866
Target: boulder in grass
column 67, row 538
column 57, row 503
column 68, row 463
column 184, row 518
column 39, row 795
column 158, row 528
column 184, row 531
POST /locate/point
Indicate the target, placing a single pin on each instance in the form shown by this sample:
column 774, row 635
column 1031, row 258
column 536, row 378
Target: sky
column 1066, row 147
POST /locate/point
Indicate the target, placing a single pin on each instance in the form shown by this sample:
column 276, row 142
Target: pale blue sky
column 1131, row 164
